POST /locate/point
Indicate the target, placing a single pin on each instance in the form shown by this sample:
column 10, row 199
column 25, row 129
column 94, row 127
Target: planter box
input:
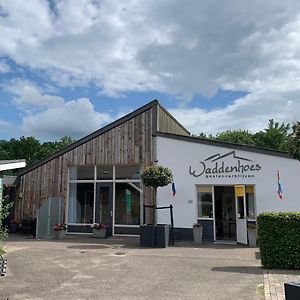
column 147, row 235
column 101, row 233
column 292, row 290
column 197, row 232
column 60, row 234
column 162, row 232
column 252, row 237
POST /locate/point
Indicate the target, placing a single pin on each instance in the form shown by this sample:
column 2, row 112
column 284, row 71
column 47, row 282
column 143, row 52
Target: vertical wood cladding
column 130, row 142
column 167, row 123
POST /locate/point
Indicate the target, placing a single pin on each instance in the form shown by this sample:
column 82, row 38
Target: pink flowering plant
column 60, row 227
column 99, row 226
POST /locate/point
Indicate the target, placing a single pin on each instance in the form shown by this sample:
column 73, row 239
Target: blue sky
column 70, row 67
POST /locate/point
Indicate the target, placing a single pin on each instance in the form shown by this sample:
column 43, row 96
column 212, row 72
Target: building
column 97, row 179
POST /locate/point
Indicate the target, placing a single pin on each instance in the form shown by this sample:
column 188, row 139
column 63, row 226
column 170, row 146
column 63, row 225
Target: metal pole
column 172, row 224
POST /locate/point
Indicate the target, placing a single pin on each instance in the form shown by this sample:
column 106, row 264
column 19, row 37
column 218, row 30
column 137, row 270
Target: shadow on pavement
column 239, row 269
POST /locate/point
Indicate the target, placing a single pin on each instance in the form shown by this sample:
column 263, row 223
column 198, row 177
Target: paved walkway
column 118, row 268
column 274, row 282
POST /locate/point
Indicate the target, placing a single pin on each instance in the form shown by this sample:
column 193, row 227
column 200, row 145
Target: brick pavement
column 274, row 282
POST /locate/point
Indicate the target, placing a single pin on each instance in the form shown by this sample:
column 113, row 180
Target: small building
column 97, row 179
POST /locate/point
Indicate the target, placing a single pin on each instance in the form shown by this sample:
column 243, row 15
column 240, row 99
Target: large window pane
column 128, row 172
column 105, row 172
column 250, row 201
column 81, row 203
column 127, row 205
column 82, row 172
column 204, row 199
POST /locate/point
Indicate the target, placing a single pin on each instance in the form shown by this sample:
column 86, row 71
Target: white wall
column 180, row 155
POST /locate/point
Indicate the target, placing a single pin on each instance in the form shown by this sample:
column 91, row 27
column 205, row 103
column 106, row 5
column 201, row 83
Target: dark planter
column 292, row 290
column 162, row 232
column 147, row 235
column 3, row 263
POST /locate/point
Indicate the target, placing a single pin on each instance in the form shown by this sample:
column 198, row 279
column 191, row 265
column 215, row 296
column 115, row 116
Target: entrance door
column 241, row 218
column 225, row 214
column 104, row 205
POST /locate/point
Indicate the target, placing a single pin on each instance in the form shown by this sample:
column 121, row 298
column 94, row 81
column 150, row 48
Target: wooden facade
column 127, row 141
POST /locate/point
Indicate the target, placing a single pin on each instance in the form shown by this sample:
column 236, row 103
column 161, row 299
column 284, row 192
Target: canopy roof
column 12, row 164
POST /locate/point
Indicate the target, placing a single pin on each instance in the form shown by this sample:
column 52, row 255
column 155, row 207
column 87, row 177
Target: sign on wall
column 227, row 165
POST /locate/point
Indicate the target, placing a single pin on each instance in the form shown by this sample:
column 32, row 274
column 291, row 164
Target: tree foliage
column 30, row 149
column 5, row 206
column 277, row 136
column 156, row 176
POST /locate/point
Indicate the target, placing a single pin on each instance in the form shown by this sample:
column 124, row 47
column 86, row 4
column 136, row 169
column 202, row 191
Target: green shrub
column 156, row 176
column 279, row 240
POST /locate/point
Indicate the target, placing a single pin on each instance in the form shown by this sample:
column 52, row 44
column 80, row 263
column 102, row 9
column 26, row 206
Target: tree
column 276, row 136
column 294, row 148
column 5, row 206
column 156, row 176
column 236, row 136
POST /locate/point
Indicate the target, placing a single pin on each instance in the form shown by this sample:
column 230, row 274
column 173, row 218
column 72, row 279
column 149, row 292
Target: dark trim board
column 127, row 230
column 216, row 143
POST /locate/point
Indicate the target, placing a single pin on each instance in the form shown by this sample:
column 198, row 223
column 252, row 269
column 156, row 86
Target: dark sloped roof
column 217, row 143
column 90, row 136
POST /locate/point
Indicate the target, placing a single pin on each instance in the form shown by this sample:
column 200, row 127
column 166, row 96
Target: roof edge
column 90, row 136
column 217, row 143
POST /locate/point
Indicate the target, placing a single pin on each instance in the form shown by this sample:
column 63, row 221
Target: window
column 127, row 204
column 204, row 200
column 105, row 172
column 81, row 203
column 82, row 173
column 128, row 172
column 250, row 207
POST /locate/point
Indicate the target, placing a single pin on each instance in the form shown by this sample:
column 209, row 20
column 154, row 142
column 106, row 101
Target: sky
column 69, row 67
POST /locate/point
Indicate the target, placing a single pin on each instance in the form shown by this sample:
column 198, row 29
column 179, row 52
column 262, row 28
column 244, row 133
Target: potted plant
column 60, row 231
column 197, row 233
column 99, row 230
column 252, row 234
column 155, row 176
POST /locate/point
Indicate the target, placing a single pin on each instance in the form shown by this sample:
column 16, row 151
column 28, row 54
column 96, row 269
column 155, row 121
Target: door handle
column 111, row 213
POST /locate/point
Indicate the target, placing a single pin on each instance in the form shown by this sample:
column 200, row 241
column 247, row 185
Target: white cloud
column 248, row 113
column 29, row 96
column 170, row 46
column 74, row 118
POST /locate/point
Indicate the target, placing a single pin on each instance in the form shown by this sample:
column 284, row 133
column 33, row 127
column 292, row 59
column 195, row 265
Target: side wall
column 129, row 143
column 180, row 155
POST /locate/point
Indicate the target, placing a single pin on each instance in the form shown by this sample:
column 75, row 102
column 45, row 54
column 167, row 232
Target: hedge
column 279, row 240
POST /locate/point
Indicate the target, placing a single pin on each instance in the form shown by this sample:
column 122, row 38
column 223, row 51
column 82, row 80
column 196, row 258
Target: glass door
column 241, row 217
column 104, row 205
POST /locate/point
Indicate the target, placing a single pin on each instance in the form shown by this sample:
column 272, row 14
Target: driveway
column 117, row 268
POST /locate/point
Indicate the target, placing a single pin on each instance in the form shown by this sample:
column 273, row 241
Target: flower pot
column 101, row 233
column 60, row 234
column 252, row 237
column 197, row 232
